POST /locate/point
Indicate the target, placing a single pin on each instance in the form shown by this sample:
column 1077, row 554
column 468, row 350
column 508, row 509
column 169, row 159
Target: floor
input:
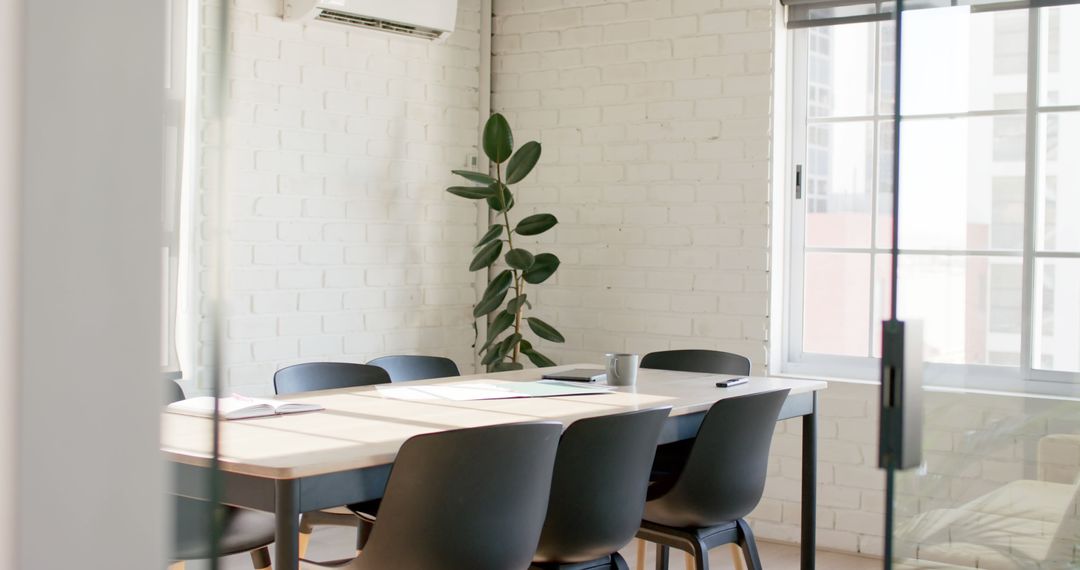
column 328, row 543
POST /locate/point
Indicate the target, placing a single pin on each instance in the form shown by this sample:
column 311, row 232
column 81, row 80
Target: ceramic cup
column 622, row 369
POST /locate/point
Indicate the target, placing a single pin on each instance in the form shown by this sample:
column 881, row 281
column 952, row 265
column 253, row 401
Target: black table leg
column 287, row 533
column 809, row 488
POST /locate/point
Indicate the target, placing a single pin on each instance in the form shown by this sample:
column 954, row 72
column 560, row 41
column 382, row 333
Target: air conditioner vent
column 377, row 24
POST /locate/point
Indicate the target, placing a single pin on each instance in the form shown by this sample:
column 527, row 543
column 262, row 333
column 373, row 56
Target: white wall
column 90, row 476
column 655, row 121
column 340, row 142
column 10, row 83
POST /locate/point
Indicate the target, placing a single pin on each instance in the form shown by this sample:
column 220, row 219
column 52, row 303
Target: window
column 990, row 259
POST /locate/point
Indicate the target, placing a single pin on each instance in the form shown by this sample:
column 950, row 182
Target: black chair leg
column 701, row 556
column 749, row 547
column 662, row 553
column 618, row 562
column 260, row 558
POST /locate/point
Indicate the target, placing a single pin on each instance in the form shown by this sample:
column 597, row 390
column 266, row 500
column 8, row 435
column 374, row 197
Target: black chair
column 312, row 376
column 598, row 490
column 414, row 367
column 243, row 530
column 708, row 361
column 672, row 455
column 468, row 499
column 702, row 505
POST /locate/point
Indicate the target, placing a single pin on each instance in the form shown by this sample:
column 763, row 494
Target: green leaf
column 506, row 366
column 519, row 259
column 493, row 355
column 493, row 233
column 514, row 304
column 522, row 163
column 536, row 224
column 486, row 256
column 543, row 266
column 496, row 205
column 544, row 330
column 500, row 323
column 498, row 140
column 509, row 343
column 478, row 177
column 491, row 300
column 538, row 359
column 472, row 192
column 499, row 283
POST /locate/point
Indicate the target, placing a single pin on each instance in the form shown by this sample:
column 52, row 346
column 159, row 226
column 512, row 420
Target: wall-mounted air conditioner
column 429, row 19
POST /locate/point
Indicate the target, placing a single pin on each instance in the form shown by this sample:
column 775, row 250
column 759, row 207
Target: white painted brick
column 274, row 349
column 299, row 278
column 299, row 325
column 300, row 52
column 321, row 346
column 320, row 301
column 561, row 19
column 252, row 327
column 364, row 299
column 318, row 254
column 273, row 302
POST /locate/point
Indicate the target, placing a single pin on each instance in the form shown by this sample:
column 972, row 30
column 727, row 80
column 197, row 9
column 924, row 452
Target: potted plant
column 505, row 298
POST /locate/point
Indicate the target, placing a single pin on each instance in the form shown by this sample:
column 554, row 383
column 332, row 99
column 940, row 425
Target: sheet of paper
column 405, row 393
column 548, row 389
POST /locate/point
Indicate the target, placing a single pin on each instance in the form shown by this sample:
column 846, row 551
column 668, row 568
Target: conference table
column 296, row 463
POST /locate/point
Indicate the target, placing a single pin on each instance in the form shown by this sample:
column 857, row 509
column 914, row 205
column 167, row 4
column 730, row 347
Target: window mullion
column 875, row 156
column 796, row 240
column 1031, row 136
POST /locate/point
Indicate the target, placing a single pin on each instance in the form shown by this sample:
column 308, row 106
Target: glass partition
column 988, row 263
column 192, row 276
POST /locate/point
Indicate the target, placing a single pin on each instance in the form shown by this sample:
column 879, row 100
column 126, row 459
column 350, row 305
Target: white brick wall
column 656, row 125
column 342, row 243
column 654, row 116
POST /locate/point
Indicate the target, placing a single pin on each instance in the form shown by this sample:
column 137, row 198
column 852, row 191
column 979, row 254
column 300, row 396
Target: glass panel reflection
column 962, row 183
column 1056, row 331
column 956, row 61
column 1059, row 182
column 969, row 305
column 836, row 317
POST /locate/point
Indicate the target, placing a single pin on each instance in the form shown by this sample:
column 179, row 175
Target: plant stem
column 518, row 285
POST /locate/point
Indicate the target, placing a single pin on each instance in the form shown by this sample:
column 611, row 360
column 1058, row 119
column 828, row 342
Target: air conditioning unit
column 428, row 19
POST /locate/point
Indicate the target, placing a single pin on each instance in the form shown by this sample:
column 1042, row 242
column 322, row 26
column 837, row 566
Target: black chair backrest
column 708, row 361
column 313, row 376
column 724, row 475
column 414, row 367
column 598, row 490
column 470, row 499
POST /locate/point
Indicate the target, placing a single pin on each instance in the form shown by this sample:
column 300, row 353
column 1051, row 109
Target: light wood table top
column 359, row 428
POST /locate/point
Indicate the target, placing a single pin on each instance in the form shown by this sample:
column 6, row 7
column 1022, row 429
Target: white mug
column 622, row 369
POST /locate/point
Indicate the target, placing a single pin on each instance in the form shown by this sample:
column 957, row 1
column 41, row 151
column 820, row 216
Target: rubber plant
column 505, row 296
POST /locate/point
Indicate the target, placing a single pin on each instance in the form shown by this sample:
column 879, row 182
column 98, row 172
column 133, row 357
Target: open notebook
column 238, row 407
column 489, row 390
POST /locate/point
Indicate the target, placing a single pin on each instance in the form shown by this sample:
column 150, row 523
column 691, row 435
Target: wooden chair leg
column 304, row 539
column 177, row 565
column 260, row 559
column 737, row 561
column 639, row 562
